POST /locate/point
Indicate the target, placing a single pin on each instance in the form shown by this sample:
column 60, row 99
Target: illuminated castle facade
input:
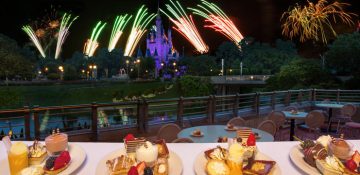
column 159, row 45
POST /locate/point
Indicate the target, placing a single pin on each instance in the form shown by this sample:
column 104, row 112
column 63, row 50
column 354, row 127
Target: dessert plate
column 77, row 154
column 175, row 163
column 200, row 163
column 195, row 135
column 297, row 157
column 231, row 129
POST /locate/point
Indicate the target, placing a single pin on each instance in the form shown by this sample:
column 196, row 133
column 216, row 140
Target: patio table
column 213, row 132
column 292, row 118
column 330, row 106
column 279, row 151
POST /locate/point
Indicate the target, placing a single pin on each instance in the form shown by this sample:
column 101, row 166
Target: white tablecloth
column 279, row 151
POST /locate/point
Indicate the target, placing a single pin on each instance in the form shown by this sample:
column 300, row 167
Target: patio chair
column 168, row 132
column 268, row 126
column 313, row 121
column 237, row 121
column 279, row 119
column 351, row 130
column 183, row 140
column 346, row 112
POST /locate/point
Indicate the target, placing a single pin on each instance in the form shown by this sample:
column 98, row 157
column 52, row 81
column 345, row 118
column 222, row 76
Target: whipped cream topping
column 324, row 140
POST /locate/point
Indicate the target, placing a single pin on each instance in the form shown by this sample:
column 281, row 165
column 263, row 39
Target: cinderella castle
column 159, row 45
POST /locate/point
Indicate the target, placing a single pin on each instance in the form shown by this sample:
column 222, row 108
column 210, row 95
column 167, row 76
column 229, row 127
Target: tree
column 12, row 62
column 229, row 52
column 202, row 65
column 77, row 60
column 190, row 86
column 262, row 58
column 302, row 73
column 107, row 62
column 343, row 55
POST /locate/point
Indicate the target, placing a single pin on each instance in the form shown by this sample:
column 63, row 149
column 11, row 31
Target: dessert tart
column 161, row 167
column 163, row 151
column 119, row 165
column 54, row 165
column 230, row 127
column 217, row 153
column 37, row 153
column 217, row 167
column 56, row 142
column 259, row 167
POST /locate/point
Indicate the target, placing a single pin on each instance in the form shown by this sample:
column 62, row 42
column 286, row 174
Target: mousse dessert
column 56, row 143
column 147, row 153
column 37, row 153
column 340, row 148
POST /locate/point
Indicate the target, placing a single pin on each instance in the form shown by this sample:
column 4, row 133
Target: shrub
column 53, row 76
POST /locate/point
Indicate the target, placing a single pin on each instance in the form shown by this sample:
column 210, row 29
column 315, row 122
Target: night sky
column 259, row 19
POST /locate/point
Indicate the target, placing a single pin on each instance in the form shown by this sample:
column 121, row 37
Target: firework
column 92, row 44
column 220, row 21
column 117, row 31
column 138, row 29
column 33, row 37
column 63, row 32
column 309, row 21
column 185, row 26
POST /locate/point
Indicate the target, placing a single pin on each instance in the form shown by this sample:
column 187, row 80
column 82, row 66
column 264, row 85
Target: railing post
column 140, row 118
column 27, row 122
column 211, row 111
column 36, row 122
column 338, row 96
column 94, row 121
column 273, row 101
column 300, row 96
column 145, row 113
column 313, row 95
column 236, row 105
column 288, row 98
column 180, row 111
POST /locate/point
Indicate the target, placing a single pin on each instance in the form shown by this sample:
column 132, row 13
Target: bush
column 53, row 76
column 70, row 73
column 9, row 98
column 190, row 86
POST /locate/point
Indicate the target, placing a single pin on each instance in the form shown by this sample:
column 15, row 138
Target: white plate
column 175, row 163
column 200, row 163
column 78, row 157
column 297, row 157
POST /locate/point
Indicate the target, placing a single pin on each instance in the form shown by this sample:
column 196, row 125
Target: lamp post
column 93, row 70
column 138, row 63
column 61, row 69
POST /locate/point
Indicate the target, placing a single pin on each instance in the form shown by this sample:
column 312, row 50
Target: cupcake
column 56, row 143
column 147, row 153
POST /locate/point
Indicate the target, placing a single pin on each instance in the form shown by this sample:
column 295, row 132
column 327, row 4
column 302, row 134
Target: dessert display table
column 279, row 151
column 292, row 118
column 213, row 132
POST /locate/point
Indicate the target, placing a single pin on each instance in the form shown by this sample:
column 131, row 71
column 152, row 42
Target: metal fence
column 37, row 122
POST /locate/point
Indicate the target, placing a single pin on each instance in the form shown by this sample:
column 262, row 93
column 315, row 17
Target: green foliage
column 77, row 60
column 229, row 52
column 108, row 62
column 70, row 73
column 202, row 65
column 343, row 55
column 190, row 86
column 303, row 73
column 9, row 97
column 53, row 76
column 262, row 58
column 12, row 63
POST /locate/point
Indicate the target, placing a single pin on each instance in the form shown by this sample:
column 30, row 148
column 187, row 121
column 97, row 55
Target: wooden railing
column 36, row 122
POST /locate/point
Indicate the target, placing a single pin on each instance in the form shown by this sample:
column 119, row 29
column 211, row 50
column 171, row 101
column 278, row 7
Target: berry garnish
column 148, row 171
column 62, row 160
column 351, row 165
column 133, row 171
column 251, row 141
column 50, row 163
column 129, row 137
